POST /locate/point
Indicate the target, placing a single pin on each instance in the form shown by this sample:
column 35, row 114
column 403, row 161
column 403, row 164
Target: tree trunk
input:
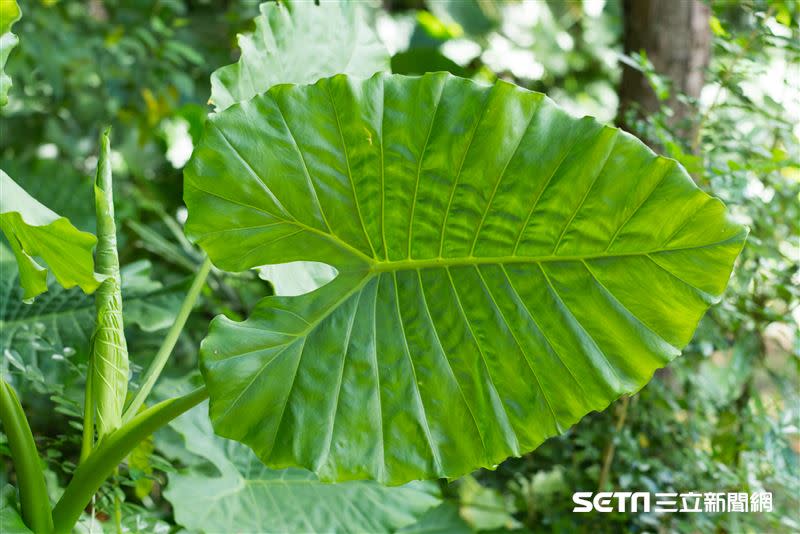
column 676, row 36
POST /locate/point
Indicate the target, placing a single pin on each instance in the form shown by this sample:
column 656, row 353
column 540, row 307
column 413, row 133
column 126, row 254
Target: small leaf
column 716, row 27
column 504, row 269
column 33, row 230
column 10, row 520
column 299, row 42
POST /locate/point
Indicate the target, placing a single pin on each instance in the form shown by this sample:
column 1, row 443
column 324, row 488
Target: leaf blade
column 34, row 230
column 526, row 268
column 299, row 42
column 246, row 495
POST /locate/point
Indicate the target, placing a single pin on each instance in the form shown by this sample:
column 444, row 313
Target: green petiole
column 105, row 458
column 33, row 499
column 170, row 340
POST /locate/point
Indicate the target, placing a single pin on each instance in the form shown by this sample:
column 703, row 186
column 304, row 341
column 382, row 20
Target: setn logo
column 626, row 501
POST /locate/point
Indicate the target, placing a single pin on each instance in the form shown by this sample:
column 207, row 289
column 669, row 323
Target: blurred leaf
column 147, row 303
column 140, row 467
column 475, row 17
column 10, row 519
column 422, row 60
column 716, row 27
column 484, row 508
column 443, row 519
column 245, row 496
column 436, row 28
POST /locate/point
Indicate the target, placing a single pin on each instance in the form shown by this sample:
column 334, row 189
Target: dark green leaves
column 504, row 269
column 299, row 42
column 33, row 230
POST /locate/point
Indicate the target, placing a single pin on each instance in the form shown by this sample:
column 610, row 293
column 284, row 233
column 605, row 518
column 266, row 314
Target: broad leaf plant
column 493, row 269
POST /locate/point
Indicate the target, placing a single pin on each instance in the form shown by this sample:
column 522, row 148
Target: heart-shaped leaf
column 504, row 269
column 299, row 42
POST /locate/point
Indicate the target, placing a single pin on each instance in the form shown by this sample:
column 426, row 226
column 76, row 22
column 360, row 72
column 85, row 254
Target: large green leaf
column 34, row 230
column 504, row 269
column 247, row 497
column 299, row 42
column 9, row 14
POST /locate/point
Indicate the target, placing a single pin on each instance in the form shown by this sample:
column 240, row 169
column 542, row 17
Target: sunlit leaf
column 299, row 42
column 504, row 269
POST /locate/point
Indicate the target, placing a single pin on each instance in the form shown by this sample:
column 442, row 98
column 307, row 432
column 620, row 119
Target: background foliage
column 724, row 417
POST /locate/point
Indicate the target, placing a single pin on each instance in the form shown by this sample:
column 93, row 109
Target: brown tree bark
column 676, row 36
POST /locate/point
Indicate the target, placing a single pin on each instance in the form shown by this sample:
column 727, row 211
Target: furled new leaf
column 9, row 14
column 299, row 42
column 504, row 269
column 34, row 230
column 247, row 497
column 109, row 347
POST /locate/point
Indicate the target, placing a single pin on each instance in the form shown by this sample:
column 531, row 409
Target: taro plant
column 493, row 269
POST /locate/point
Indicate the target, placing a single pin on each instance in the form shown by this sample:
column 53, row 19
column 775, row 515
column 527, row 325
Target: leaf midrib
column 377, row 268
column 469, row 261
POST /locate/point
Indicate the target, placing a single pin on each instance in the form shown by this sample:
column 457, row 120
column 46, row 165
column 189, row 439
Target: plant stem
column 608, row 453
column 88, row 416
column 108, row 454
column 165, row 350
column 33, row 499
